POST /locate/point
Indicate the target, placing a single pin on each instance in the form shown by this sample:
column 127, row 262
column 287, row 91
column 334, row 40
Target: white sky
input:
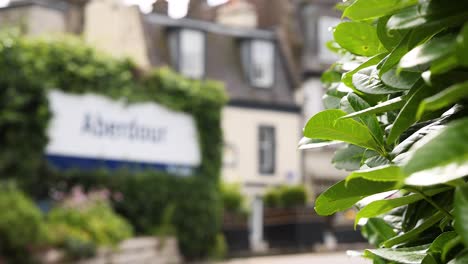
column 176, row 9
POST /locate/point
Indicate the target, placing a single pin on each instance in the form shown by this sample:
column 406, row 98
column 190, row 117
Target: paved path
column 316, row 258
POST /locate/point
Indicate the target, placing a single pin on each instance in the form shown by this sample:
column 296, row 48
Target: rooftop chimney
column 237, row 13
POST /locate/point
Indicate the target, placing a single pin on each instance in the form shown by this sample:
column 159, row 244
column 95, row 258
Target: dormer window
column 188, row 54
column 258, row 57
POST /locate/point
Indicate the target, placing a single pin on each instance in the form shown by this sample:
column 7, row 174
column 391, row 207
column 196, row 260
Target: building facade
column 262, row 121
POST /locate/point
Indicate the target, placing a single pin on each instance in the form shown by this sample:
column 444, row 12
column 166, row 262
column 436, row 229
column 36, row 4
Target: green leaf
column 438, row 244
column 390, row 105
column 348, row 77
column 462, row 46
column 389, row 39
column 376, row 231
column 369, row 9
column 358, row 38
column 446, row 98
column 342, row 196
column 400, row 80
column 387, row 173
column 426, row 53
column 394, row 57
column 449, row 246
column 430, row 14
column 308, row 143
column 414, row 233
column 382, row 206
column 401, row 255
column 358, row 104
column 331, row 102
column 327, row 125
column 407, row 115
column 430, row 259
column 351, row 157
column 367, row 80
column 330, row 76
column 461, row 212
column 451, row 162
column 444, row 64
column 462, row 258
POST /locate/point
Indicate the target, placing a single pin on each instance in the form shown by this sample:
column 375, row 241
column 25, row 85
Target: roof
column 224, row 49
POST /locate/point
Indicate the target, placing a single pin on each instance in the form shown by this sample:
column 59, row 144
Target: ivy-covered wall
column 28, row 67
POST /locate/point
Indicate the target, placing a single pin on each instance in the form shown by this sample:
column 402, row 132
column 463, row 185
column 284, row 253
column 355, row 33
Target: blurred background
column 144, row 131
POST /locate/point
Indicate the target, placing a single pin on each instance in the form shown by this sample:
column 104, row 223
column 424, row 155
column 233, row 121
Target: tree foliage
column 29, row 67
column 403, row 114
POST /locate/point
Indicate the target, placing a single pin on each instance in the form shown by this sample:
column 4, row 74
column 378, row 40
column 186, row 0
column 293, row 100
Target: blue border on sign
column 83, row 163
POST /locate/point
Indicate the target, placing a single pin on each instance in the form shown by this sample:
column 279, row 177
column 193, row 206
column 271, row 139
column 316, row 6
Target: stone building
column 233, row 43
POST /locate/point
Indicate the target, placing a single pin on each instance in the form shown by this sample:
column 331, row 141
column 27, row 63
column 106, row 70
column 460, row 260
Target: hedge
column 398, row 98
column 29, row 67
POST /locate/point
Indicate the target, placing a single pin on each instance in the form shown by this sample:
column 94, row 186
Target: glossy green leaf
column 331, row 102
column 342, row 196
column 367, row 81
column 430, row 14
column 308, row 143
column 450, row 246
column 462, row 258
column 327, row 125
column 400, row 80
column 426, row 53
column 444, row 64
column 351, row 157
column 368, row 9
column 387, row 173
column 390, row 39
column 376, row 231
column 358, row 38
column 462, row 46
column 461, row 212
column 430, row 259
column 395, row 55
column 356, row 103
column 407, row 115
column 390, row 105
column 411, row 255
column 447, row 97
column 348, row 77
column 451, row 162
column 383, row 206
column 414, row 233
column 438, row 244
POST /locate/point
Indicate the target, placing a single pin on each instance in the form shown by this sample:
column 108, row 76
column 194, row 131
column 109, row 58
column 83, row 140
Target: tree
column 399, row 93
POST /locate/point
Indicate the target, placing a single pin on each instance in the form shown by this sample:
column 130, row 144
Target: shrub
column 220, row 249
column 403, row 113
column 272, row 198
column 30, row 67
column 293, row 196
column 232, row 198
column 83, row 221
column 285, row 197
column 21, row 224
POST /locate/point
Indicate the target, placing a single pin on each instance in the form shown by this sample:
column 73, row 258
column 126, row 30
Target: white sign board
column 90, row 130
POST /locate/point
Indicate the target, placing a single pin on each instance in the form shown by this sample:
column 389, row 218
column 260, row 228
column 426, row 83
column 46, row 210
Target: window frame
column 247, row 59
column 261, row 169
column 175, row 44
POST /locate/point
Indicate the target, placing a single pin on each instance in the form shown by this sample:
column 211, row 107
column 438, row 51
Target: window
column 259, row 62
column 267, row 152
column 189, row 55
column 325, row 34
